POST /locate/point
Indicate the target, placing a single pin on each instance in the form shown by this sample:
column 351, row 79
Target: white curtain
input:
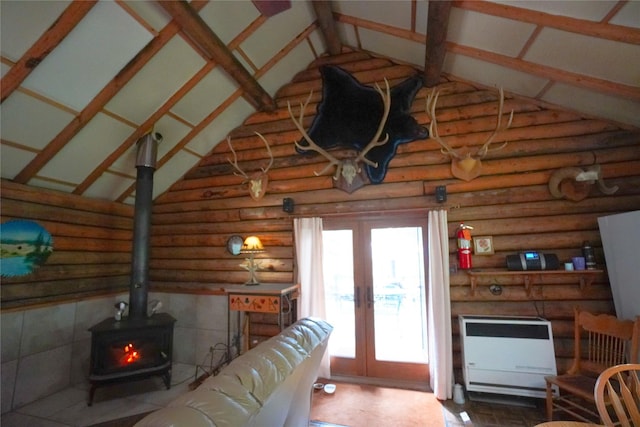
column 439, row 307
column 308, row 241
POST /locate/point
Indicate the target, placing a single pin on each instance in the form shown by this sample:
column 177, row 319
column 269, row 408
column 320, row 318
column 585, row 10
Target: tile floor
column 68, row 408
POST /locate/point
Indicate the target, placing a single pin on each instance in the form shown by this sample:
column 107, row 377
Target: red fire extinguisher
column 464, row 246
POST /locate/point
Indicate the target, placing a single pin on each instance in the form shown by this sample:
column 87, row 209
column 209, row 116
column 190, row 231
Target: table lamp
column 252, row 245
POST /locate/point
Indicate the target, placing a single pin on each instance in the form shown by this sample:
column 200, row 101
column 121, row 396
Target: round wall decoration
column 234, row 244
column 24, row 246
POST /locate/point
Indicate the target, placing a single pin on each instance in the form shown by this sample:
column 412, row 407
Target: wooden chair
column 618, row 388
column 601, row 341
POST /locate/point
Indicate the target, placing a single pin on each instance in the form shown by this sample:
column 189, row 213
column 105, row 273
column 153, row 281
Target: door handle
column 357, row 297
column 369, row 297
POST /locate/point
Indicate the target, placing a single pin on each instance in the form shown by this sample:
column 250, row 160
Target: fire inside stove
column 133, row 354
column 129, row 349
column 130, row 354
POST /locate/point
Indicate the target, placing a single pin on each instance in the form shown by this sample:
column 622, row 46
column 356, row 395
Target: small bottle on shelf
column 589, row 255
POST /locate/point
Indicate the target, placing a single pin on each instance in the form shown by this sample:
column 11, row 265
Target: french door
column 374, row 271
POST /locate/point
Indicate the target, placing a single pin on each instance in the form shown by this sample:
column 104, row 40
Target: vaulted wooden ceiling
column 82, row 81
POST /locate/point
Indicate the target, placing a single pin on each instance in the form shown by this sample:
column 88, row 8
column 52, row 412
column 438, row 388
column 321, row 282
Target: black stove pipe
column 146, row 165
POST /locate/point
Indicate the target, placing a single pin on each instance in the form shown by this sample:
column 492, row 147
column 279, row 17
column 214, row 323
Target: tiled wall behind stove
column 45, row 350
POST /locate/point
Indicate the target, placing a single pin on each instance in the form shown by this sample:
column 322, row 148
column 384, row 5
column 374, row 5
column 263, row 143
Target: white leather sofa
column 268, row 386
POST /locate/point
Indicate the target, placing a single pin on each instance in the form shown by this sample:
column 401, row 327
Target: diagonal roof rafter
column 208, row 42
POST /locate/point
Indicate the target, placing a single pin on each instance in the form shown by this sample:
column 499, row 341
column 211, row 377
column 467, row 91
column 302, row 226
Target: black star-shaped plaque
column 349, row 115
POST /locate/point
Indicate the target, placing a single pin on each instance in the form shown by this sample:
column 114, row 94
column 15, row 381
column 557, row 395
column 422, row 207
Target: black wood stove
column 136, row 346
column 131, row 349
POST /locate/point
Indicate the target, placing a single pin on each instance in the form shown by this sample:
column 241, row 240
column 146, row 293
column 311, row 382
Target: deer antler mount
column 258, row 180
column 351, row 116
column 466, row 163
column 349, row 174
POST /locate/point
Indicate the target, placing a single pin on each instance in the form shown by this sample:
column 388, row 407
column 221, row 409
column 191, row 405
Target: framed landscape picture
column 483, row 245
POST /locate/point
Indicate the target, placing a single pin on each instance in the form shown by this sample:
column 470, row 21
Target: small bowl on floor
column 318, row 386
column 330, row 388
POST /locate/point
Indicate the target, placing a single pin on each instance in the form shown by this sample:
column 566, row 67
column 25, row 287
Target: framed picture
column 483, row 245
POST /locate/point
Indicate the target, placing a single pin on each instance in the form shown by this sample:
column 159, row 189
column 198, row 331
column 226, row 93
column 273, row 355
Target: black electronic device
column 287, row 205
column 531, row 260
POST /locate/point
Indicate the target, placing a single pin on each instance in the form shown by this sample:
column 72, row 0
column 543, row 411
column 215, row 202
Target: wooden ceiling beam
column 436, row 47
column 210, row 44
column 327, row 24
column 48, row 41
column 555, row 75
column 585, row 27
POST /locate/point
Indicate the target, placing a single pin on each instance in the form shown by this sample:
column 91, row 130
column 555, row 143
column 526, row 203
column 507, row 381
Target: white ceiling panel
column 277, row 32
column 150, row 12
column 169, row 69
column 218, row 129
column 347, row 34
column 210, row 92
column 12, row 160
column 590, row 10
column 486, row 32
column 492, row 75
column 22, row 24
column 295, row 61
column 98, row 139
column 88, row 58
column 597, row 104
column 172, row 171
column 386, row 45
column 172, row 131
column 19, row 114
column 316, row 40
column 587, row 55
column 422, row 12
column 109, row 186
column 229, row 18
column 396, row 13
column 629, row 15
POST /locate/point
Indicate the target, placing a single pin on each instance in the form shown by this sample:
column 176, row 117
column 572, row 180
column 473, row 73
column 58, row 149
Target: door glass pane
column 338, row 282
column 399, row 294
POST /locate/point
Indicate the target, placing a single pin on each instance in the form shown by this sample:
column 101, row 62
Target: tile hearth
column 68, row 408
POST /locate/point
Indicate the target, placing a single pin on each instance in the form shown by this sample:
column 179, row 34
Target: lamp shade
column 252, row 245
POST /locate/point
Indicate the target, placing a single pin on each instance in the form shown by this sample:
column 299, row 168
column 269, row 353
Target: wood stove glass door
column 374, row 272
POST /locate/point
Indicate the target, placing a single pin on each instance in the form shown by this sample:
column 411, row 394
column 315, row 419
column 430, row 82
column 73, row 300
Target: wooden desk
column 279, row 299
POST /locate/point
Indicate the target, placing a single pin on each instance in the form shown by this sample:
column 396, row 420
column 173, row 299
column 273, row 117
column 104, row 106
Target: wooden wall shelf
column 585, row 277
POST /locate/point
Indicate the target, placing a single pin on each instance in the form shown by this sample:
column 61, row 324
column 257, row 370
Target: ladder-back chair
column 600, row 341
column 617, row 395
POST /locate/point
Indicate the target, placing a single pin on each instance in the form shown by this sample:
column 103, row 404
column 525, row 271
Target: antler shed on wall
column 465, row 163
